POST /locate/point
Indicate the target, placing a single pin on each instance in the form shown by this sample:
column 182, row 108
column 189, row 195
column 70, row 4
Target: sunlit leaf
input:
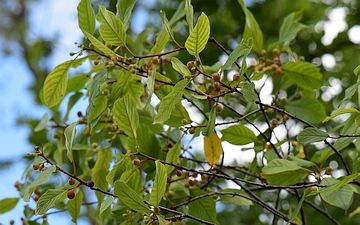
column 160, row 42
column 124, row 9
column 7, row 204
column 56, row 83
column 242, row 50
column 159, row 185
column 106, row 203
column 86, row 16
column 42, row 124
column 168, row 103
column 69, row 134
column 212, row 148
column 100, row 105
column 303, row 74
column 341, row 197
column 99, row 45
column 49, row 199
column 173, row 156
column 180, row 67
column 249, row 94
column 290, row 28
column 130, row 198
column 235, row 198
column 199, row 36
column 111, row 27
column 310, row 135
column 340, row 112
column 42, row 178
column 126, row 116
column 189, row 12
column 238, row 135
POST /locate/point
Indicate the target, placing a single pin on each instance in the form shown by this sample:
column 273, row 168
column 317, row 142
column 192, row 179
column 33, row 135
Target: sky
column 59, row 17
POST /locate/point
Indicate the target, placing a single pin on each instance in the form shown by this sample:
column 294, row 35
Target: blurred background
column 36, row 35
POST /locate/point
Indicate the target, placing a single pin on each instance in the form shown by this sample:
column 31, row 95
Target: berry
column 218, row 108
column 90, row 183
column 35, row 166
column 169, row 145
column 105, row 92
column 72, row 53
column 79, row 114
column 185, row 121
column 236, row 77
column 168, row 179
column 71, row 181
column 328, row 170
column 216, row 85
column 108, row 45
column 192, row 130
column 178, row 173
column 156, row 87
column 187, row 184
column 276, row 51
column 71, row 194
column 155, row 60
column 216, row 76
column 96, row 62
column 190, row 64
column 136, row 161
column 313, row 188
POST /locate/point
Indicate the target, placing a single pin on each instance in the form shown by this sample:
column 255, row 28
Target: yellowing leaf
column 212, row 148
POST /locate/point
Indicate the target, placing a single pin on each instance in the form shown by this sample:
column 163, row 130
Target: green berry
column 218, row 108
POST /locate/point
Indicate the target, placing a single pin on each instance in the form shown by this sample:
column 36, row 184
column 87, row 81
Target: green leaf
column 203, row 208
column 160, row 42
column 357, row 70
column 248, row 91
column 7, row 204
column 86, row 16
column 238, row 135
column 300, row 162
column 252, row 28
column 42, row 178
column 308, row 109
column 173, row 156
column 126, row 115
column 69, row 133
column 209, row 129
column 76, row 83
column 340, row 197
column 74, row 205
column 283, row 172
column 42, row 124
column 100, row 170
column 72, row 101
column 111, row 27
column 166, row 25
column 310, row 135
column 99, row 45
column 159, row 184
column 56, row 83
column 242, row 50
column 304, row 74
column 340, row 112
column 168, row 103
column 124, row 9
column 349, row 92
column 236, row 197
column 189, row 12
column 148, row 142
column 130, row 198
column 118, row 169
column 106, row 204
column 290, row 28
column 343, row 182
column 199, row 36
column 180, row 67
column 100, row 105
column 49, row 199
column 297, row 208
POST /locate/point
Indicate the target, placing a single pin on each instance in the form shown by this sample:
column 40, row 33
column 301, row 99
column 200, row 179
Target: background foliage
column 119, row 125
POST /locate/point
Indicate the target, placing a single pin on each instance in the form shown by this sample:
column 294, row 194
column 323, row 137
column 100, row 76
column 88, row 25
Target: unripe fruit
column 190, row 64
column 218, row 108
column 71, row 181
column 215, row 196
column 178, row 173
column 105, row 92
column 328, row 170
column 187, row 184
column 108, row 45
column 216, row 76
column 72, row 53
column 136, row 161
column 155, row 60
column 276, row 51
column 36, row 148
column 156, row 87
column 71, row 194
column 294, row 143
column 185, row 121
column 216, row 85
column 94, row 145
column 236, row 77
column 56, row 135
column 313, row 188
column 96, row 62
column 156, row 210
column 90, row 183
column 192, row 130
column 35, row 166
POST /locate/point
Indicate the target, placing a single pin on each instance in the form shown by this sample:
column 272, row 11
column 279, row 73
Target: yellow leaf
column 212, row 148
